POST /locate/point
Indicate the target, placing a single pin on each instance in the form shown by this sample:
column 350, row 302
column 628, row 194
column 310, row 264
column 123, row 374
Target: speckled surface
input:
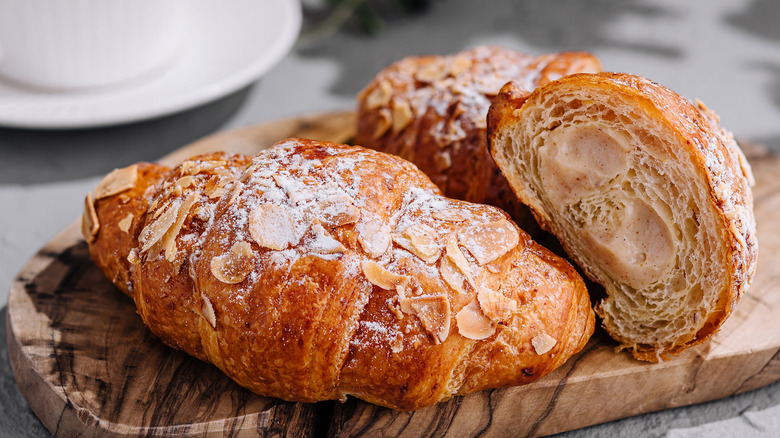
column 724, row 52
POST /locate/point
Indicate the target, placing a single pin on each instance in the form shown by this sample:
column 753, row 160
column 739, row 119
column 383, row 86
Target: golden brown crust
column 690, row 133
column 163, row 287
column 120, row 221
column 327, row 270
column 431, row 111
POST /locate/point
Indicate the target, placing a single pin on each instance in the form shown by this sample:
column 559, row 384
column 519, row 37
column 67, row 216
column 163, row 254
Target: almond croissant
column 646, row 192
column 316, row 271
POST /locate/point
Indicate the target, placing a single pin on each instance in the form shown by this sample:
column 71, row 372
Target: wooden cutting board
column 87, row 365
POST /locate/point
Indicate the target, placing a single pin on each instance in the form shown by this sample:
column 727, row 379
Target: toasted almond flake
column 374, row 238
column 236, row 191
column 187, row 166
column 117, row 181
column 423, row 242
column 271, row 226
column 459, row 65
column 215, row 187
column 496, row 305
column 208, row 312
column 177, row 190
column 432, row 72
column 393, row 306
column 543, row 343
column 90, row 224
column 194, row 167
column 452, row 215
column 380, row 95
column 442, row 160
column 125, row 223
column 383, row 124
column 301, row 196
column 458, row 259
column 169, row 239
column 397, row 343
column 403, row 300
column 338, row 211
column 233, row 266
column 434, row 313
column 132, row 257
column 323, row 242
column 490, row 241
column 402, row 114
column 452, row 275
column 473, row 324
column 382, row 277
column 185, row 181
column 493, row 268
column 154, row 231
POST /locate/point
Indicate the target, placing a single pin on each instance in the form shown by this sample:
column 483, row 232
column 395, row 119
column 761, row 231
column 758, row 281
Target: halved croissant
column 648, row 194
column 432, row 110
column 316, row 271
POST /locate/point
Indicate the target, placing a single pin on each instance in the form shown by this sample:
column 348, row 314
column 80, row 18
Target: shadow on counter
column 44, row 156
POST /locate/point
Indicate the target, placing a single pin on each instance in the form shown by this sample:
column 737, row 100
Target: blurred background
column 723, row 52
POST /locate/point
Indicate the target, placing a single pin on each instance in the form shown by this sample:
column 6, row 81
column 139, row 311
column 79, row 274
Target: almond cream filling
column 622, row 233
column 576, row 160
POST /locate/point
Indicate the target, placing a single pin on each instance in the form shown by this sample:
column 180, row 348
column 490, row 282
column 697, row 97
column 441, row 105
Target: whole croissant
column 316, row 270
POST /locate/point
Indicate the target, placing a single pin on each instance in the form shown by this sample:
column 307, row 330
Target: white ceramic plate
column 230, row 44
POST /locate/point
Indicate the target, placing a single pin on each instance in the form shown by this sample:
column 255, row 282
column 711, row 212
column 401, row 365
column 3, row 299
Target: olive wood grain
column 88, row 366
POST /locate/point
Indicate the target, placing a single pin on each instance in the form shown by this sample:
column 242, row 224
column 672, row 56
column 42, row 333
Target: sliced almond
column 434, row 313
column 432, row 72
column 404, row 302
column 452, row 275
column 452, row 215
column 374, row 238
column 423, row 244
column 185, row 181
column 393, row 306
column 233, row 266
column 490, row 241
column 455, row 255
column 402, row 114
column 90, row 224
column 271, row 226
column 473, row 324
column 442, row 160
column 169, row 239
column 215, row 187
column 196, row 167
column 397, row 343
column 338, row 211
column 186, row 167
column 124, row 224
column 496, row 305
column 380, row 95
column 132, row 257
column 323, row 242
column 383, row 124
column 382, row 277
column 208, row 312
column 543, row 343
column 459, row 65
column 154, row 231
column 117, row 181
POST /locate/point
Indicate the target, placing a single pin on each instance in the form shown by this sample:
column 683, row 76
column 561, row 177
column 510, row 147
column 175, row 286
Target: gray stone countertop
column 724, row 52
